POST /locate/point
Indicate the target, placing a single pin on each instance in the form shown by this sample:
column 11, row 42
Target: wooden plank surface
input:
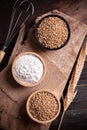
column 59, row 64
column 61, row 61
column 82, row 17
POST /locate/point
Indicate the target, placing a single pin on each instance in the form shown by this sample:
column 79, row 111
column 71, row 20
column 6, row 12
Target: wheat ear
column 71, row 92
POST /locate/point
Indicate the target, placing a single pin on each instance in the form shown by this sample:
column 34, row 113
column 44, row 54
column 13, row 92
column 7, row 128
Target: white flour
column 29, row 68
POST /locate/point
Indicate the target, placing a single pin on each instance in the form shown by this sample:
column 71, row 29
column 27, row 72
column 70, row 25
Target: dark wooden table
column 77, row 112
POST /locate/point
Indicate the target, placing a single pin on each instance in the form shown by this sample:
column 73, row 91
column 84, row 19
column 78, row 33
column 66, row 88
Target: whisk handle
column 2, row 54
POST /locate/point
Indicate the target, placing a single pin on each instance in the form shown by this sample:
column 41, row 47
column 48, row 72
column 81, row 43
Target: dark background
column 76, row 116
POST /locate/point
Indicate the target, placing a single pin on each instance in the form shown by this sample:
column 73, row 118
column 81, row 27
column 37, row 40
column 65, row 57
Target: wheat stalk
column 66, row 103
column 71, row 92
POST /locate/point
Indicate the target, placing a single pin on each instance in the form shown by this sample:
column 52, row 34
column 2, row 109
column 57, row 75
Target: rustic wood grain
column 58, row 68
column 19, row 120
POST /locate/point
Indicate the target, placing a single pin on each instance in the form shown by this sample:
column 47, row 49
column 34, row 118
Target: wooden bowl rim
column 24, row 83
column 36, row 120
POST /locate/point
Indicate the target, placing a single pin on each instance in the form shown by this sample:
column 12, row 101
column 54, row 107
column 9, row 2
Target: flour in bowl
column 29, row 68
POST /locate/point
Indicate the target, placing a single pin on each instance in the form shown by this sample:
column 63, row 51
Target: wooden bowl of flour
column 28, row 69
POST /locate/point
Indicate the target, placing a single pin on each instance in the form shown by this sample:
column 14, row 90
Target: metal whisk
column 22, row 11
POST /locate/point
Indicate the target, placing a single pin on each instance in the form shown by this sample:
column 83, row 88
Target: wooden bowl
column 25, row 83
column 29, row 113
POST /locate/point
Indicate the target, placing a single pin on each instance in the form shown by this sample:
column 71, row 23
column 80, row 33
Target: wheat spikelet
column 75, row 77
column 80, row 65
column 71, row 92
